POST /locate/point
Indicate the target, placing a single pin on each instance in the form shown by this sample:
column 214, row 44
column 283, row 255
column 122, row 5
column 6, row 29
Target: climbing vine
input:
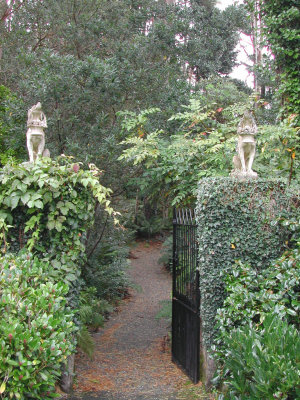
column 47, row 207
column 236, row 221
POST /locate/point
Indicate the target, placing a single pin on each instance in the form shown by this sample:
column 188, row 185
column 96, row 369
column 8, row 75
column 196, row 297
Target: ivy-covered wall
column 236, row 221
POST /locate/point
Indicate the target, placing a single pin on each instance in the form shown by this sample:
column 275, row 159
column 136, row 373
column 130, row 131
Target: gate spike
column 178, row 216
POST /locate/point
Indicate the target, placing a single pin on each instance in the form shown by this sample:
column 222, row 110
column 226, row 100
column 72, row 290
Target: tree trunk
column 257, row 46
column 67, row 377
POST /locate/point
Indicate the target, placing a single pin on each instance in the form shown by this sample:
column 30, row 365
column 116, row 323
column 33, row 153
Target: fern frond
column 85, row 341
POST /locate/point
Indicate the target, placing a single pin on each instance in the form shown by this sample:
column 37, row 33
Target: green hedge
column 236, row 221
column 36, row 328
column 48, row 207
column 45, row 208
column 258, row 343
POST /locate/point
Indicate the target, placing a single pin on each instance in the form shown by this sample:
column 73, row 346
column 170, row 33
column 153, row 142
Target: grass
column 165, row 310
column 190, row 391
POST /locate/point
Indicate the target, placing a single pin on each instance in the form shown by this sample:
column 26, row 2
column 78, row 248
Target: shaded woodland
column 140, row 107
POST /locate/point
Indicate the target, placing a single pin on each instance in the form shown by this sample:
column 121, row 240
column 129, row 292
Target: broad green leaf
column 25, row 198
column 2, row 387
column 44, row 376
column 39, row 204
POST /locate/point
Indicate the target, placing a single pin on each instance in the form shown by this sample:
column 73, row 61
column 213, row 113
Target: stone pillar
column 207, row 364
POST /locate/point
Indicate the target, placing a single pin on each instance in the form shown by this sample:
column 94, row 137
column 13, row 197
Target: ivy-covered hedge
column 258, row 343
column 236, row 221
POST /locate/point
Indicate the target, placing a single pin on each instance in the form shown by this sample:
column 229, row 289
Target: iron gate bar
column 186, row 294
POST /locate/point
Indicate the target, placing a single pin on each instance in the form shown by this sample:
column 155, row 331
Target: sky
column 239, row 72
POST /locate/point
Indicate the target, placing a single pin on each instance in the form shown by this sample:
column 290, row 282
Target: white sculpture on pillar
column 246, row 145
column 35, row 134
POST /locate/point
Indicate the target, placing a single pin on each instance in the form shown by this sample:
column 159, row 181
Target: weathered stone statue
column 35, row 134
column 246, row 145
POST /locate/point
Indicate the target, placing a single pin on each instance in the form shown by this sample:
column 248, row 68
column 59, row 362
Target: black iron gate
column 186, row 294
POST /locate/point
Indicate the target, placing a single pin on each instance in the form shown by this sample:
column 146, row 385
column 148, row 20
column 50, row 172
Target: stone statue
column 35, row 134
column 246, row 145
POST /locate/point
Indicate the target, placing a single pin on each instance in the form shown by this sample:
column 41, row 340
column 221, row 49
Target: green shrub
column 92, row 313
column 47, row 207
column 252, row 294
column 36, row 328
column 166, row 258
column 235, row 222
column 254, row 298
column 263, row 364
column 110, row 280
column 50, row 205
column 12, row 122
column 92, row 310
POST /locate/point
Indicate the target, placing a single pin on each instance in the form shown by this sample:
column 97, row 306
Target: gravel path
column 132, row 358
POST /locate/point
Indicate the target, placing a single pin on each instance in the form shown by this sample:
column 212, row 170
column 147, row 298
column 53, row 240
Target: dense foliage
column 258, row 341
column 140, row 89
column 252, row 294
column 263, row 364
column 87, row 60
column 281, row 20
column 48, row 207
column 36, row 328
column 12, row 120
column 195, row 143
column 235, row 222
column 200, row 142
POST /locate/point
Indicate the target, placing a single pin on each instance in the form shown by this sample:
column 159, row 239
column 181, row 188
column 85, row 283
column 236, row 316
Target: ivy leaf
column 58, row 226
column 22, row 187
column 36, row 196
column 64, row 210
column 7, row 201
column 51, row 225
column 47, row 197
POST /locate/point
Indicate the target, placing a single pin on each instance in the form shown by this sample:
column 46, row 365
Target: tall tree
column 85, row 60
column 282, row 30
column 208, row 37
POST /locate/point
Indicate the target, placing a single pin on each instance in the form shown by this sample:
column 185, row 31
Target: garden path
column 132, row 358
